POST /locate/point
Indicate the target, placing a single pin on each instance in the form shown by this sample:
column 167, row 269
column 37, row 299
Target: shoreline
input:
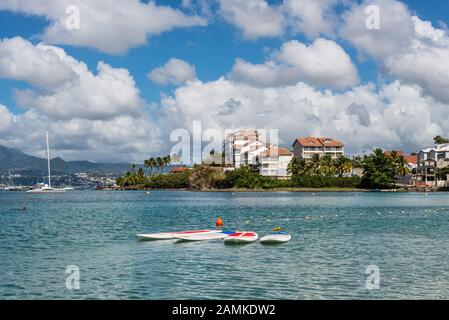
column 299, row 190
column 305, row 190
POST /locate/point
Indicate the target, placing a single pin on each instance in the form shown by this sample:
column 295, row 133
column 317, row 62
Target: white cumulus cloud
column 363, row 117
column 405, row 47
column 311, row 17
column 6, row 119
column 425, row 63
column 107, row 25
column 38, row 65
column 322, row 63
column 258, row 18
column 395, row 33
column 94, row 116
column 175, row 71
column 77, row 92
column 123, row 138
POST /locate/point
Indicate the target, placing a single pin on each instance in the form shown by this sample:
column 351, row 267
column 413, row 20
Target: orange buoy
column 219, row 223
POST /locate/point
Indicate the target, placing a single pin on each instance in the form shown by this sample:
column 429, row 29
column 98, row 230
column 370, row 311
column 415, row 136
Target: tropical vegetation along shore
column 249, row 162
column 379, row 172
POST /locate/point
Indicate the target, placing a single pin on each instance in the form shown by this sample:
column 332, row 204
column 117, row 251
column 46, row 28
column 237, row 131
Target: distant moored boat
column 47, row 188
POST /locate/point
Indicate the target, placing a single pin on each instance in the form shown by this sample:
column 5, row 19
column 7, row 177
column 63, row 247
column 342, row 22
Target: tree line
column 380, row 171
column 320, row 166
column 137, row 176
column 158, row 163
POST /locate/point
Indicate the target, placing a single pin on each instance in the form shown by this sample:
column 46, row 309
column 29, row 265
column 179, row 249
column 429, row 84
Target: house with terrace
column 243, row 148
column 274, row 162
column 306, row 147
column 433, row 166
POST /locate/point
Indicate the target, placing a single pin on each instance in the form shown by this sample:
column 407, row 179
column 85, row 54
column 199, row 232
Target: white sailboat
column 47, row 188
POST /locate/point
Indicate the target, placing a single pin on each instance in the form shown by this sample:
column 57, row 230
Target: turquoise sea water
column 335, row 237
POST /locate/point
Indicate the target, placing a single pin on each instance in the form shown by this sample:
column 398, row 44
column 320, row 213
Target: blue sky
column 212, row 49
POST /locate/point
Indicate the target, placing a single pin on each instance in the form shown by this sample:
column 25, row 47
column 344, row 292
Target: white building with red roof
column 306, row 147
column 274, row 162
column 243, row 148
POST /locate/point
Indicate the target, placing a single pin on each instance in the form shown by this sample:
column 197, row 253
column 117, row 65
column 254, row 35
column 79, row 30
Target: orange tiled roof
column 408, row 158
column 411, row 159
column 319, row 142
column 330, row 142
column 179, row 169
column 281, row 151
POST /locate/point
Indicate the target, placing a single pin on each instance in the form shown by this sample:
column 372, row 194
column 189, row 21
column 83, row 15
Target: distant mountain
column 15, row 161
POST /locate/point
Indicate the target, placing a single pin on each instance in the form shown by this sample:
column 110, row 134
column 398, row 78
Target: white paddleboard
column 203, row 236
column 279, row 237
column 242, row 237
column 171, row 235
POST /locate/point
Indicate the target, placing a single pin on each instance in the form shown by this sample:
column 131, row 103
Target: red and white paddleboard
column 172, row 235
column 203, row 236
column 241, row 237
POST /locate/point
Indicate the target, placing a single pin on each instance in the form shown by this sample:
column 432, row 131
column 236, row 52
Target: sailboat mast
column 48, row 161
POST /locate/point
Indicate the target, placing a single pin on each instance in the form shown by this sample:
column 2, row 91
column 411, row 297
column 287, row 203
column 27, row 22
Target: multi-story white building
column 274, row 162
column 243, row 148
column 430, row 160
column 308, row 146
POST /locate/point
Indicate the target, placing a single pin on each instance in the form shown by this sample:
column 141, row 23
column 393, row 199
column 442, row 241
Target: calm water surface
column 335, row 237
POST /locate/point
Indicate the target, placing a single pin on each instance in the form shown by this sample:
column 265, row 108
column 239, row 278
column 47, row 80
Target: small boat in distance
column 47, row 188
column 8, row 184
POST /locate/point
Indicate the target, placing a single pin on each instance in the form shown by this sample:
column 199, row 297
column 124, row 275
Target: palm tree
column 314, row 164
column 378, row 171
column 399, row 164
column 153, row 164
column 146, row 164
column 357, row 161
column 342, row 165
column 167, row 159
column 296, row 166
column 378, row 153
column 159, row 162
column 150, row 164
column 326, row 166
column 140, row 173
